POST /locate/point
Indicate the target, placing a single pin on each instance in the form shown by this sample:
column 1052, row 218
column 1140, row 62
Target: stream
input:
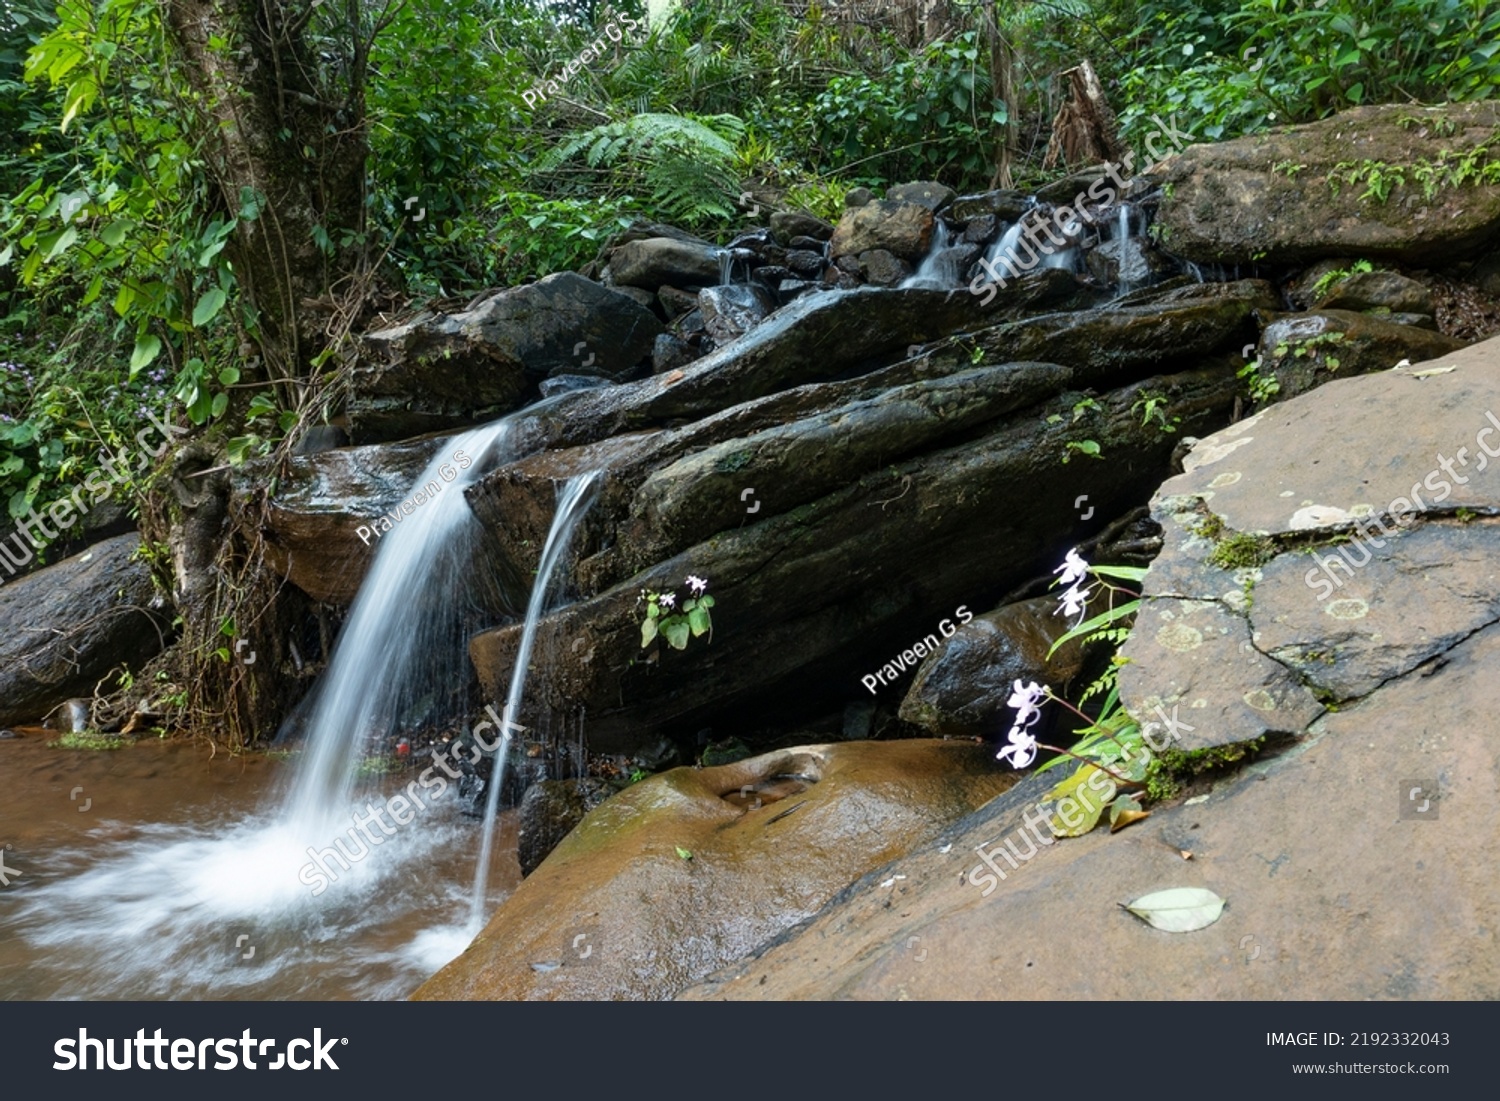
column 176, row 882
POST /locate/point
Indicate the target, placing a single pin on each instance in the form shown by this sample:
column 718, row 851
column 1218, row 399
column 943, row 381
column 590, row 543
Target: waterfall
column 1123, row 232
column 1006, row 245
column 572, row 503
column 407, row 616
column 726, row 267
column 938, row 270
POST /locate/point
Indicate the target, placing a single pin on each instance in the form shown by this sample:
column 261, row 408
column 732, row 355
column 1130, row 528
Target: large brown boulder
column 901, row 228
column 1351, row 185
column 66, row 627
column 691, row 869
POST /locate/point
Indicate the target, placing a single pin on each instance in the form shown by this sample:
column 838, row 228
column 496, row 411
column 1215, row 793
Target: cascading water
column 939, row 268
column 222, row 899
column 574, row 500
column 726, row 267
column 407, row 612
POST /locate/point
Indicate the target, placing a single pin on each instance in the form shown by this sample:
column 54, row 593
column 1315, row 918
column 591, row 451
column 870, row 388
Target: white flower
column 667, row 600
column 1021, row 751
column 1026, row 699
column 697, row 584
column 1073, row 602
column 1074, row 569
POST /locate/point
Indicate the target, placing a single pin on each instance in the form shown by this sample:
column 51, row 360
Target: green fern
column 684, row 164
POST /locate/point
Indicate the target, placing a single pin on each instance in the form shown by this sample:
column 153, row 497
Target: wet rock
column 1231, row 203
column 1303, row 351
column 671, row 353
column 1065, row 190
column 1374, row 290
column 549, row 812
column 934, row 196
column 68, row 626
column 730, row 312
column 789, row 290
column 636, row 294
column 1131, row 260
column 440, row 371
column 961, row 690
column 663, row 261
column 1420, row 320
column 1006, row 205
column 319, row 438
column 567, row 384
column 788, row 224
column 657, row 920
column 812, row 244
column 902, row 229
column 805, row 262
column 676, row 302
column 807, row 631
column 310, row 526
column 981, row 230
column 881, row 269
column 857, row 196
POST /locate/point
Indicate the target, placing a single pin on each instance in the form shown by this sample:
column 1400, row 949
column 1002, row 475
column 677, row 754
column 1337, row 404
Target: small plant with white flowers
column 674, row 620
column 1111, row 754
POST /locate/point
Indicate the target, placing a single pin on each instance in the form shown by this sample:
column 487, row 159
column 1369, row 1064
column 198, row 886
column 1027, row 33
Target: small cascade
column 1006, row 245
column 1130, row 263
column 1194, row 270
column 406, row 619
column 939, row 268
column 574, row 500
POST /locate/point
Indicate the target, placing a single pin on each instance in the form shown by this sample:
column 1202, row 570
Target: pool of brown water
column 165, row 870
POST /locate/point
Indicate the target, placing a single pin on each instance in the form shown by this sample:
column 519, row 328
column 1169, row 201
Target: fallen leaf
column 1089, row 799
column 684, row 853
column 1125, row 810
column 1179, row 909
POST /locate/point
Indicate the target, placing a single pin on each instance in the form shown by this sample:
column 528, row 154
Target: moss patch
column 87, row 739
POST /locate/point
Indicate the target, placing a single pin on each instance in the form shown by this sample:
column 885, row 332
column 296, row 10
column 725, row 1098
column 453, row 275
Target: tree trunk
column 279, row 139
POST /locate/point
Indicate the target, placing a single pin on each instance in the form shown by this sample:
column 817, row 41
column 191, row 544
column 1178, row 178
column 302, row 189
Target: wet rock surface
column 65, row 627
column 962, row 689
column 690, row 869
